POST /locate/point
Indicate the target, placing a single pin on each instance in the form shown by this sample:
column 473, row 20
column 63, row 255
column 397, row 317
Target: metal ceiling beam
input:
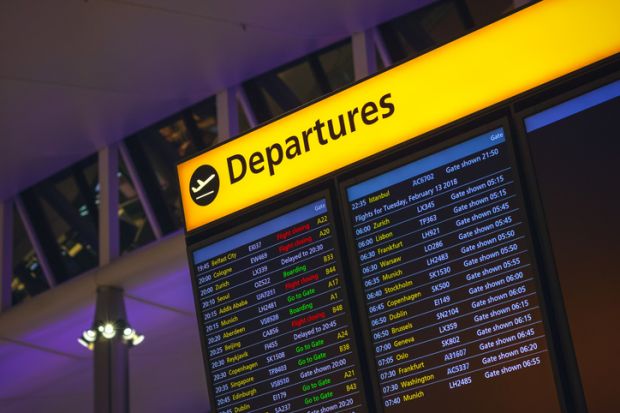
column 140, row 190
column 247, row 108
column 42, row 256
column 364, row 58
column 155, row 264
column 227, row 114
column 154, row 164
column 192, row 129
column 257, row 101
column 87, row 192
column 384, row 54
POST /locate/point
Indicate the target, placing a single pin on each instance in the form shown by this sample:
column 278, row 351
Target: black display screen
column 450, row 286
column 575, row 151
column 277, row 331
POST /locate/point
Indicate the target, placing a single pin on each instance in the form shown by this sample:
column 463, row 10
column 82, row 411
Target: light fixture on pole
column 110, row 337
column 108, row 330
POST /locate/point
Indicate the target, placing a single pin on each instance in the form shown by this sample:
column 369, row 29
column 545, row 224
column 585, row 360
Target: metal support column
column 6, row 253
column 227, row 115
column 384, row 54
column 111, row 355
column 364, row 59
column 109, row 230
column 136, row 180
column 36, row 244
column 247, row 108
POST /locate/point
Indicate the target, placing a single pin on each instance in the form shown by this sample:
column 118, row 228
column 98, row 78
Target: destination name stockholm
column 321, row 133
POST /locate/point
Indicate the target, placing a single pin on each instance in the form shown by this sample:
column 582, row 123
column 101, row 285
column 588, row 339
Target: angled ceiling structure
column 78, row 76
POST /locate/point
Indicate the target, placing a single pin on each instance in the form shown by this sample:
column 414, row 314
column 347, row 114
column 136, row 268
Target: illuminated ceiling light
column 89, row 335
column 86, row 344
column 137, row 339
column 132, row 337
column 108, row 331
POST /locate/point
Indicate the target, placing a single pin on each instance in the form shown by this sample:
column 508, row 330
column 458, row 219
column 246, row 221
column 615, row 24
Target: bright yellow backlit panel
column 526, row 49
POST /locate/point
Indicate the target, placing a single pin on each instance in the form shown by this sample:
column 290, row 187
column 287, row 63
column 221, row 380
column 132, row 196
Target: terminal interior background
column 146, row 78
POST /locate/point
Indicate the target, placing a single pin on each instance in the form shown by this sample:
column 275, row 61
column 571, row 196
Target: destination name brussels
column 321, row 133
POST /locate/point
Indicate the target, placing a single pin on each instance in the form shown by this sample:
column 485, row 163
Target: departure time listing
column 448, row 279
column 277, row 331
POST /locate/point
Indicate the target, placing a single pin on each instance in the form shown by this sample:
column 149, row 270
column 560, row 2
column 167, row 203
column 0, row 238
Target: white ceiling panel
column 77, row 75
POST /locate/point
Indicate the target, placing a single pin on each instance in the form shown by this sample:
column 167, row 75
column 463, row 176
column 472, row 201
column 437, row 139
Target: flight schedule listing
column 277, row 330
column 450, row 286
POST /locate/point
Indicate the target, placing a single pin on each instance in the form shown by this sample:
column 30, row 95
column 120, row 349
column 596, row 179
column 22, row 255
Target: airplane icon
column 201, row 185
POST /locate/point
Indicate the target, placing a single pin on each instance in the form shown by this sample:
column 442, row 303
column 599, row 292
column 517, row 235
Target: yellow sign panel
column 520, row 52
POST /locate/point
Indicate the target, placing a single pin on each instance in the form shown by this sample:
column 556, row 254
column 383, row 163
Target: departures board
column 443, row 286
column 449, row 283
column 372, row 251
column 275, row 316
